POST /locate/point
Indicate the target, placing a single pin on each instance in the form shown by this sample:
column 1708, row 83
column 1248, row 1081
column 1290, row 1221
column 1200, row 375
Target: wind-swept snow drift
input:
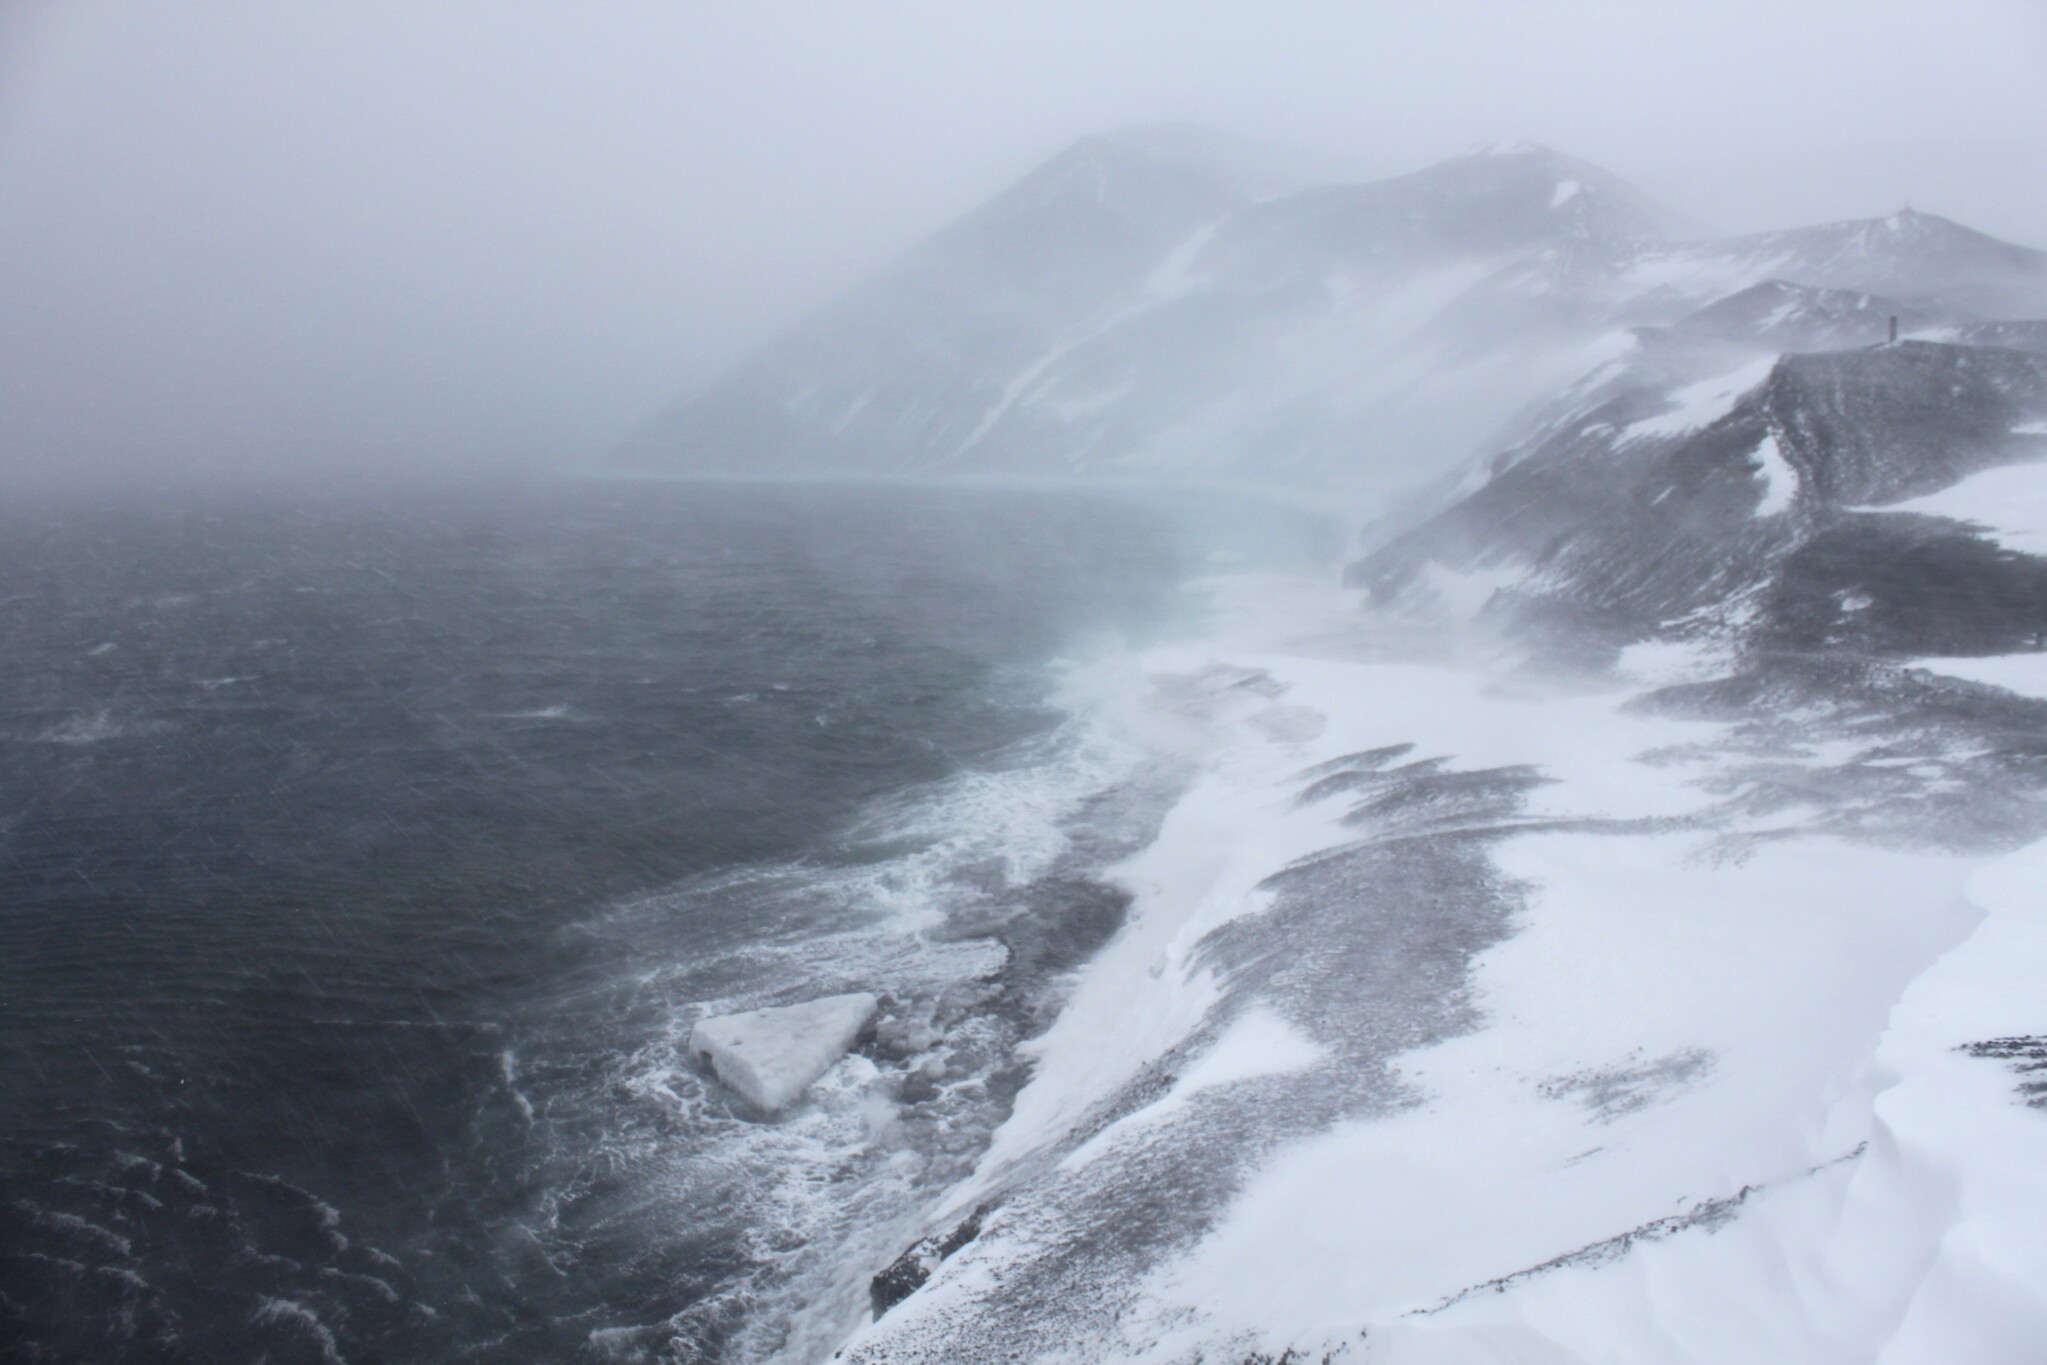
column 1488, row 1021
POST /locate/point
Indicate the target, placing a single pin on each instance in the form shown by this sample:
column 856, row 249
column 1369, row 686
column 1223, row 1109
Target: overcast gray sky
column 288, row 235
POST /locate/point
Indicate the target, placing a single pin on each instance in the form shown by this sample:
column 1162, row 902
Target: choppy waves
column 959, row 903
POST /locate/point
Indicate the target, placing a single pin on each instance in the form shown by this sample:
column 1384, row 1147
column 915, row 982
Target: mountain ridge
column 1134, row 308
column 1715, row 644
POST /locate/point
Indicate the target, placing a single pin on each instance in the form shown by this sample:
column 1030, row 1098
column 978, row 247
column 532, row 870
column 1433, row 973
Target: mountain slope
column 1117, row 312
column 1613, row 938
column 897, row 375
column 1667, row 498
column 1916, row 256
column 1683, row 1011
column 1134, row 309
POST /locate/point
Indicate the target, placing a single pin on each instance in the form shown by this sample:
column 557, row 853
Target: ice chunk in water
column 771, row 1056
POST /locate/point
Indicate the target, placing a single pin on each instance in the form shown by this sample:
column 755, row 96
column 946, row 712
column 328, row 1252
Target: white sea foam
column 831, row 1188
column 295, row 1315
column 94, row 727
column 558, row 711
column 508, row 1068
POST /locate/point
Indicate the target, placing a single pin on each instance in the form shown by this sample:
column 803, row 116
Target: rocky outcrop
column 908, row 1272
column 1753, row 499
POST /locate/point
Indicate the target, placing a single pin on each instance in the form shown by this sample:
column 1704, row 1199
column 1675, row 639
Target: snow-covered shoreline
column 1523, row 972
column 1674, row 1083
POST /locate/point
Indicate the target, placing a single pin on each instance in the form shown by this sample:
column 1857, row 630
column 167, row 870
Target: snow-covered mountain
column 1621, row 941
column 1610, row 927
column 1709, row 488
column 1612, row 931
column 1141, row 307
column 1909, row 255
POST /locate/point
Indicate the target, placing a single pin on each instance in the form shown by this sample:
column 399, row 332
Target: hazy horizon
column 463, row 236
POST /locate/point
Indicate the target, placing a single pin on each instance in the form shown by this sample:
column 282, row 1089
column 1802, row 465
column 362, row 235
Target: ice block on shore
column 772, row 1056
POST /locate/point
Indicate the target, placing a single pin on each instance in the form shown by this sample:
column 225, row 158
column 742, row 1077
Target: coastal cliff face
column 1140, row 307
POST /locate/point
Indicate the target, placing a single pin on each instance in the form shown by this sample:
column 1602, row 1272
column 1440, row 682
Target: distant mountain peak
column 1908, row 254
column 1546, row 193
column 1508, row 149
column 1911, row 227
column 1131, row 178
column 1911, row 220
column 1908, row 226
column 1241, row 164
column 1785, row 315
column 1133, row 307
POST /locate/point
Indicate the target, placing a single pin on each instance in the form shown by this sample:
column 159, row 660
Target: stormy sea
column 366, row 858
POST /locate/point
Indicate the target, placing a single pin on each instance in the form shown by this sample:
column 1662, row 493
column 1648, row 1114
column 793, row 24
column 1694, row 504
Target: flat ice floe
column 1485, row 1022
column 772, row 1056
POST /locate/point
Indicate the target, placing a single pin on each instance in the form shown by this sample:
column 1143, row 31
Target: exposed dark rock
column 1907, row 586
column 2025, row 1054
column 1782, row 315
column 1620, row 531
column 1708, row 1215
column 908, row 1272
column 1612, row 1091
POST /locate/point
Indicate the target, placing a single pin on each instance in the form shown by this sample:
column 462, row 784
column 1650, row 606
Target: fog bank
column 249, row 239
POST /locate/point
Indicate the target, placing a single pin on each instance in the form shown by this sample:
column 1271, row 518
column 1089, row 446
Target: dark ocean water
column 365, row 859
